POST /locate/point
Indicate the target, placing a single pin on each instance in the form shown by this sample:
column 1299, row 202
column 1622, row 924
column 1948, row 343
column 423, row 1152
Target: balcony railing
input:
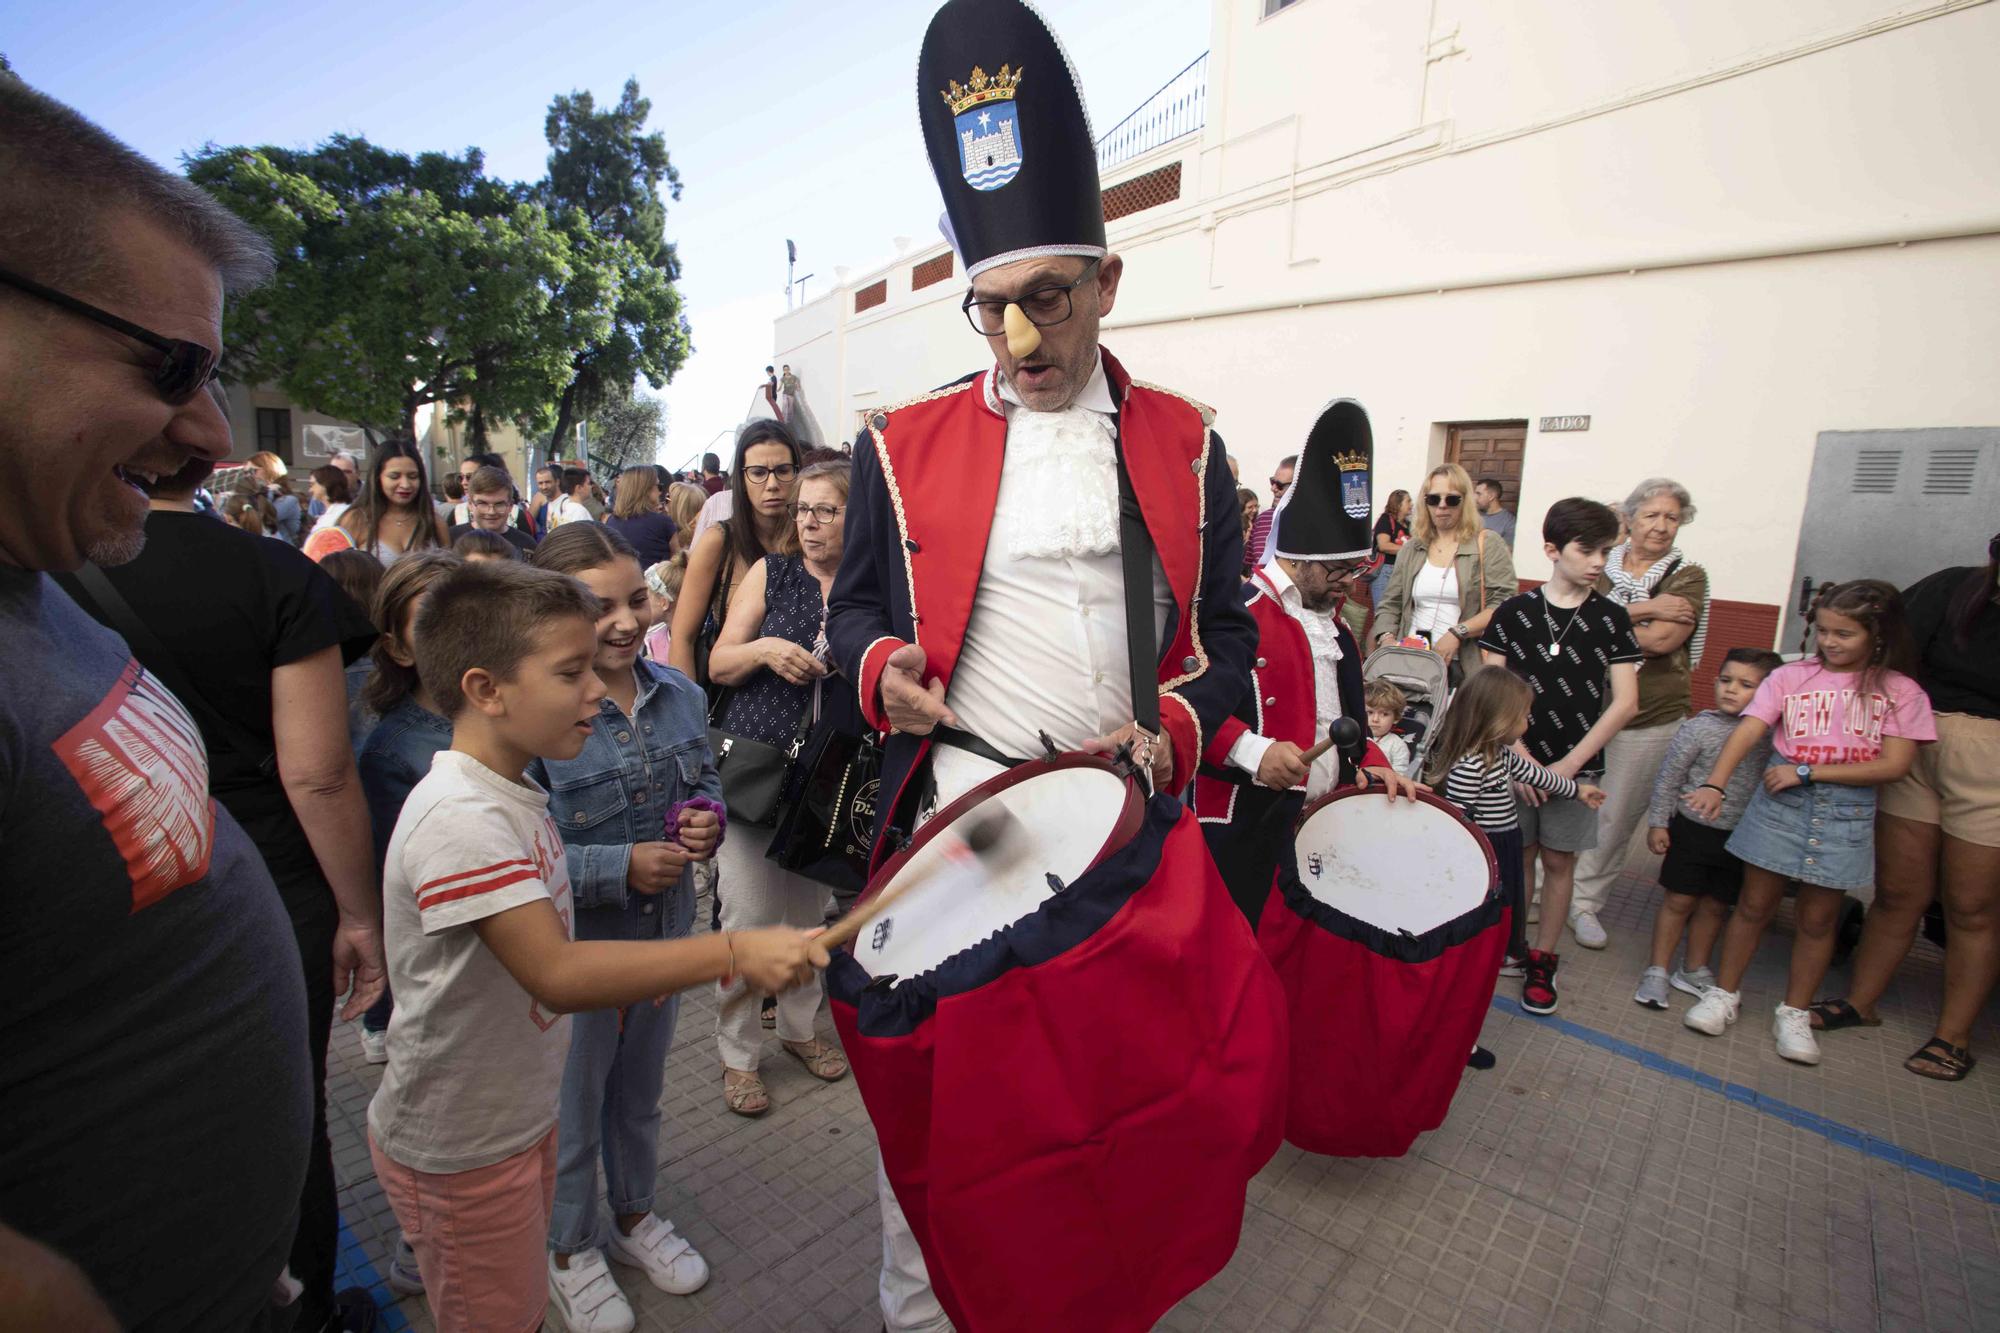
column 1180, row 107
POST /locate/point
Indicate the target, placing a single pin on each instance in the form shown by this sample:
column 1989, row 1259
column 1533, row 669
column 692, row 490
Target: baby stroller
column 1423, row 678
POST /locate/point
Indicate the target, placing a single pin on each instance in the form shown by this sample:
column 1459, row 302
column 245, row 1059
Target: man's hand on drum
column 788, row 660
column 912, row 706
column 1282, row 767
column 1394, row 784
column 777, row 958
column 1155, row 753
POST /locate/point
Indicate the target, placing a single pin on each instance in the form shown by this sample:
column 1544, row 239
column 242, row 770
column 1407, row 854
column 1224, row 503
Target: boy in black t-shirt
column 1575, row 647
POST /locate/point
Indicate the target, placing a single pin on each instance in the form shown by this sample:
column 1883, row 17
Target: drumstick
column 980, row 837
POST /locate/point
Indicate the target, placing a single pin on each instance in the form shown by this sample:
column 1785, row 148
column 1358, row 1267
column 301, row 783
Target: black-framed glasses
column 1043, row 306
column 1340, row 571
column 820, row 513
column 185, row 368
column 757, row 476
column 1434, row 500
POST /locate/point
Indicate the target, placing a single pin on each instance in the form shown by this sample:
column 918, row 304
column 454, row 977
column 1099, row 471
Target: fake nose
column 1022, row 335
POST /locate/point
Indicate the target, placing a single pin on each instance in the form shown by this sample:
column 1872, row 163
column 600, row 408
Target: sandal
column 1953, row 1063
column 821, row 1059
column 1833, row 1015
column 744, row 1093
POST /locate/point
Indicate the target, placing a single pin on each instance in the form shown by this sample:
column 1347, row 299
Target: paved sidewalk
column 1616, row 1171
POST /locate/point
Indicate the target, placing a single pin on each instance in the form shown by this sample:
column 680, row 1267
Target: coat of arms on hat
column 1354, row 492
column 989, row 131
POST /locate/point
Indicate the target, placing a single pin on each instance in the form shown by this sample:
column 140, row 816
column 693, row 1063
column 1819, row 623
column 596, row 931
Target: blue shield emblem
column 989, row 144
column 1354, row 493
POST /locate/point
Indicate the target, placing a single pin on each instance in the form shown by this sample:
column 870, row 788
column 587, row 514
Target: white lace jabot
column 1068, row 461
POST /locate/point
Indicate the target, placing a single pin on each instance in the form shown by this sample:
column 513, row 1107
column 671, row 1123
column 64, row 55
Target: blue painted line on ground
column 352, row 1269
column 1983, row 1188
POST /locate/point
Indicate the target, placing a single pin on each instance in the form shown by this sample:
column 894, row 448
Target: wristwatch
column 1805, row 772
column 1461, row 631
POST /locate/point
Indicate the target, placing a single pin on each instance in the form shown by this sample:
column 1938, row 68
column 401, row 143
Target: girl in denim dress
column 1841, row 724
column 646, row 755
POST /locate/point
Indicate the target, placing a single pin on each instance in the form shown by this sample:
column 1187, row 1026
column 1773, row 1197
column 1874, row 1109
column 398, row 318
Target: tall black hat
column 1325, row 513
column 1008, row 136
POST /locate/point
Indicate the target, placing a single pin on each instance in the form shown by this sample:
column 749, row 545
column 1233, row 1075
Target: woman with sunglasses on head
column 762, row 482
column 1448, row 577
column 394, row 515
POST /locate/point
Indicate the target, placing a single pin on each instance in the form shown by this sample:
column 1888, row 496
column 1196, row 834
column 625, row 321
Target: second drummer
column 1254, row 776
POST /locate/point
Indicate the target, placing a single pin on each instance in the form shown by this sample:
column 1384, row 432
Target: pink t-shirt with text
column 1819, row 716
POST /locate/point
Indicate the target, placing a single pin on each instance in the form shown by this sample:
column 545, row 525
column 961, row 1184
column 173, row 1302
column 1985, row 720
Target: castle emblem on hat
column 1354, row 492
column 989, row 132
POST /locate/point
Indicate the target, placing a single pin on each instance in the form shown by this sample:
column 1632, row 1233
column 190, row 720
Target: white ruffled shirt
column 1323, row 638
column 1046, row 647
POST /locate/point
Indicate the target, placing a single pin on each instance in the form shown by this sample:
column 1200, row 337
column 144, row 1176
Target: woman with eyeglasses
column 772, row 654
column 761, row 485
column 394, row 515
column 1449, row 576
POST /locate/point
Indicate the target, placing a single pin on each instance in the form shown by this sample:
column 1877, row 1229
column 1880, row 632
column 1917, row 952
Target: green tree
column 625, row 432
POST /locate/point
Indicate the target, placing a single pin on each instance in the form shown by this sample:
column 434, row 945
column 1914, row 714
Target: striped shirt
column 1486, row 791
column 1626, row 589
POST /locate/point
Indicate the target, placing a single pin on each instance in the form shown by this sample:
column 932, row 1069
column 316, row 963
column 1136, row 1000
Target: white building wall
column 1718, row 230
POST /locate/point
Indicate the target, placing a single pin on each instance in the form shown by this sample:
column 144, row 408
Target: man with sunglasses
column 1255, row 774
column 153, row 1054
column 1260, row 527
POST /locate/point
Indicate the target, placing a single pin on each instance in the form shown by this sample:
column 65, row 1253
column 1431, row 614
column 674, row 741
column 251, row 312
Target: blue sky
column 786, row 119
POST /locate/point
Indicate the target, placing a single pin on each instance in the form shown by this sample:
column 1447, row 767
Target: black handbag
column 826, row 818
column 752, row 771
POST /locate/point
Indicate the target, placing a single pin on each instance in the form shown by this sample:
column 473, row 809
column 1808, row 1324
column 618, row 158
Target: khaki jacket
column 1487, row 565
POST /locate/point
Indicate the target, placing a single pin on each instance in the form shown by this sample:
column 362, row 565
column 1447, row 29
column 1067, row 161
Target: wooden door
column 1490, row 449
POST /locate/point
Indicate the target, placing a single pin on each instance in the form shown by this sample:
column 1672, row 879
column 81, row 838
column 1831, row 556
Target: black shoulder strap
column 89, row 587
column 1135, row 550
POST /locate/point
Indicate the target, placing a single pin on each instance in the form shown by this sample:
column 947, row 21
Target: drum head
column 1067, row 817
column 1396, row 865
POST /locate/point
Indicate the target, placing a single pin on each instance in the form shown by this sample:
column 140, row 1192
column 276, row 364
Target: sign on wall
column 1550, row 425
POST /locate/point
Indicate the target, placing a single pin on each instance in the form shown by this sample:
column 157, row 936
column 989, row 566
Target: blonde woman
column 1449, row 576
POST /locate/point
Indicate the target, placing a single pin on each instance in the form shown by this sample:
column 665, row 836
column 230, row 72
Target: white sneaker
column 1715, row 1011
column 1589, row 931
column 671, row 1263
column 404, row 1278
column 375, row 1046
column 587, row 1296
column 1652, row 990
column 1793, row 1029
column 1691, row 983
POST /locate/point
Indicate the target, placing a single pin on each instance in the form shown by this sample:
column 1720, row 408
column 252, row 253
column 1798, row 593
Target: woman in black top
column 1392, row 529
column 638, row 514
column 1939, row 827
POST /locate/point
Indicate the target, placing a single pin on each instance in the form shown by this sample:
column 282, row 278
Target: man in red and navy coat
column 1254, row 777
column 980, row 607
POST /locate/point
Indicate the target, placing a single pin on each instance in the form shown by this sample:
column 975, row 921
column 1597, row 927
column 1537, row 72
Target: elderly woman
column 1666, row 594
column 1449, row 577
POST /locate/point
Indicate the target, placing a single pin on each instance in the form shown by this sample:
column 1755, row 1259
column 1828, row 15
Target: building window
column 1273, row 6
column 933, row 270
column 274, row 431
column 874, row 294
column 1161, row 186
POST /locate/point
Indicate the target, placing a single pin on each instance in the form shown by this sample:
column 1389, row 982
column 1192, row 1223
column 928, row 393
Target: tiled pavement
column 1616, row 1171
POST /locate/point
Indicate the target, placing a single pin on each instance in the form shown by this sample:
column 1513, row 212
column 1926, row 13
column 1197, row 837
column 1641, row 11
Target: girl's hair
column 1396, row 500
column 264, row 461
column 478, row 541
column 664, row 579
column 1973, row 597
column 1877, row 607
column 575, row 547
column 250, row 512
column 402, row 588
column 744, row 542
column 684, row 502
column 1469, row 525
column 1479, row 720
column 374, row 506
column 359, row 575
column 637, row 492
column 334, row 482
column 1384, row 697
column 836, row 470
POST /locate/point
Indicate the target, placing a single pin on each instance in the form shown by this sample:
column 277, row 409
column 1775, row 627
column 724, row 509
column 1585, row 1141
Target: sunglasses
column 185, row 368
column 1448, row 501
column 1279, row 486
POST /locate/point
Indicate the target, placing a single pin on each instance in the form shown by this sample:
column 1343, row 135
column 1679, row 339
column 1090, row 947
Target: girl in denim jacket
column 646, row 757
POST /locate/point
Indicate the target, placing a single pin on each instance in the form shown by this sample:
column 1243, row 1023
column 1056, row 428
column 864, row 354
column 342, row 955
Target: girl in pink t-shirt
column 1841, row 724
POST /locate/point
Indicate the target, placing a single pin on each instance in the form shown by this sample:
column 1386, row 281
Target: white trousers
column 756, row 892
column 1631, row 761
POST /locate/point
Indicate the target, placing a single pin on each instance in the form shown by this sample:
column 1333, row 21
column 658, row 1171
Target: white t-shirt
column 1434, row 599
column 475, row 1064
column 563, row 509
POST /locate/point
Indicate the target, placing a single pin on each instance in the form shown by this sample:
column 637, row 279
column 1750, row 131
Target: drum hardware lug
column 1055, row 883
column 1049, row 750
column 879, row 985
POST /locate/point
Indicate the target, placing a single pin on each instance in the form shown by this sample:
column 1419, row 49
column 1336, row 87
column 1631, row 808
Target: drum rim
column 1130, row 818
column 1432, row 799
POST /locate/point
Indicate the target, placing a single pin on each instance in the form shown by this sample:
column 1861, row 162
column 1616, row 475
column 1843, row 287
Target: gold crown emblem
column 1351, row 462
column 982, row 87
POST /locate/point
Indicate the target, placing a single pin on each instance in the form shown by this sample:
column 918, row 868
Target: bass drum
column 1022, row 1127
column 1386, row 930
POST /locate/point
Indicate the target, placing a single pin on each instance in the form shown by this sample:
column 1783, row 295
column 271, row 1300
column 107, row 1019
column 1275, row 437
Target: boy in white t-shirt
column 476, row 905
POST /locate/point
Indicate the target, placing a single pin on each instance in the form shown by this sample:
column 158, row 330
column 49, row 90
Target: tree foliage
column 404, row 281
column 625, row 432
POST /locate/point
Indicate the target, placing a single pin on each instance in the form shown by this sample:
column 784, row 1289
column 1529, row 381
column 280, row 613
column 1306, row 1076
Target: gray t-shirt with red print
column 153, row 1079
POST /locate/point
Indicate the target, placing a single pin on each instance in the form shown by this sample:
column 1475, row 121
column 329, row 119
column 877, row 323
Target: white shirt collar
column 1096, row 395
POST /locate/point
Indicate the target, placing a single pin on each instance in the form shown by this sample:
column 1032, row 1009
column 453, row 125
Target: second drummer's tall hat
column 1008, row 137
column 1325, row 513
